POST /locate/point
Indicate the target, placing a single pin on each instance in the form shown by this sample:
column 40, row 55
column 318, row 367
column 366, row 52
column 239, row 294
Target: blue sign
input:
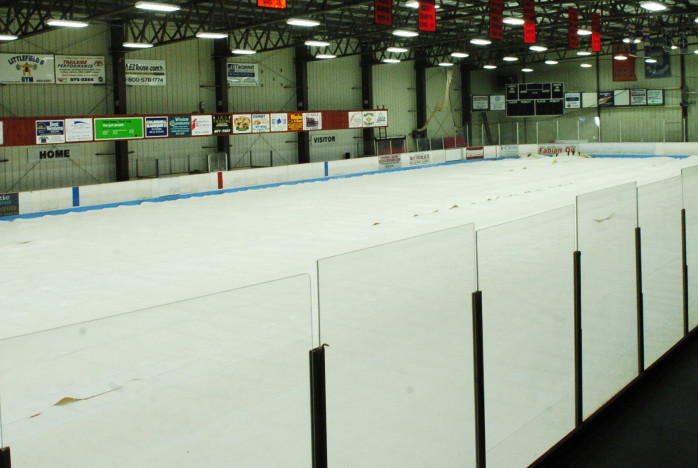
column 50, row 132
column 180, row 125
column 9, row 204
column 661, row 68
column 155, row 127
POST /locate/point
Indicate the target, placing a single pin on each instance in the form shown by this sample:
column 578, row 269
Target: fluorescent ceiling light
column 391, row 60
column 404, row 33
column 416, row 5
column 513, row 21
column 653, row 6
column 156, row 6
column 480, row 41
column 650, row 60
column 585, row 65
column 510, row 59
column 538, row 48
column 325, row 56
column 137, row 45
column 316, row 43
column 67, row 23
column 583, row 53
column 674, row 47
column 620, row 57
column 551, row 62
column 445, row 64
column 211, row 35
column 635, row 41
column 397, row 50
column 527, row 70
column 7, row 37
column 695, row 51
column 584, row 32
column 459, row 54
column 490, row 67
column 696, row 20
column 244, row 51
column 302, row 22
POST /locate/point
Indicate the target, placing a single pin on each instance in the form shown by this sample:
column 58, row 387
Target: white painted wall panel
column 394, row 89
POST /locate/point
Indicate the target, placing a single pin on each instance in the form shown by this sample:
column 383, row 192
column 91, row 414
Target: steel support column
column 301, row 63
column 684, row 100
column 367, row 100
column 118, row 34
column 221, row 52
column 420, row 68
column 466, row 98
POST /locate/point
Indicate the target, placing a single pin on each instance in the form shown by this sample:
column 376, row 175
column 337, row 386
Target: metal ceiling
column 349, row 25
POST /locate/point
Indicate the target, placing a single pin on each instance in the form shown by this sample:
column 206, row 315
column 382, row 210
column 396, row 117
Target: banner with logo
column 356, row 119
column 498, row 102
column 558, row 150
column 222, row 124
column 9, row 204
column 389, row 161
column 78, row 130
column 77, row 69
column 295, row 122
column 50, row 132
column 26, row 69
column 312, row 121
column 243, row 74
column 261, row 123
column 271, row 3
column 383, row 12
column 420, row 159
column 279, row 122
column 180, row 125
column 201, row 125
column 427, row 15
column 481, row 103
column 662, row 67
column 638, row 97
column 381, row 118
column 242, row 123
column 496, row 19
column 156, row 127
column 655, row 97
column 596, row 32
column 146, row 72
column 475, row 152
column 573, row 28
column 573, row 100
column 118, row 128
column 623, row 70
column 529, row 14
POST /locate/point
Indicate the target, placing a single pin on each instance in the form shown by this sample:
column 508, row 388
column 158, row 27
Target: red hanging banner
column 427, row 15
column 383, row 12
column 596, row 32
column 271, row 3
column 573, row 28
column 496, row 18
column 529, row 12
column 623, row 70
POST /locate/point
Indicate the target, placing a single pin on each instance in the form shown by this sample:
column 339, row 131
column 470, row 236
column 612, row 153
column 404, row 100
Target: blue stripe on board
column 327, row 169
column 81, row 209
column 76, row 196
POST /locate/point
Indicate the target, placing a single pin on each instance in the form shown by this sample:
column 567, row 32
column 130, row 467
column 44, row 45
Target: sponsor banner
column 508, row 150
column 369, row 119
column 605, row 99
column 279, row 122
column 50, row 132
column 481, row 103
column 356, row 119
column 381, row 118
column 383, row 12
column 529, row 14
column 389, row 161
column 156, row 127
column 26, row 69
column 2, row 134
column 295, row 122
column 312, row 121
column 243, row 74
column 78, row 129
column 558, row 150
column 242, row 123
column 573, row 100
column 623, row 70
column 271, row 3
column 427, row 15
column 201, row 125
column 323, row 139
column 420, row 159
column 621, row 97
column 78, row 69
column 54, row 153
column 475, row 152
column 638, row 97
column 496, row 18
column 9, row 204
column 590, row 100
column 498, row 102
column 180, row 125
column 222, row 124
column 573, row 28
column 655, row 97
column 118, row 128
column 662, row 68
column 146, row 72
column 261, row 123
column 596, row 32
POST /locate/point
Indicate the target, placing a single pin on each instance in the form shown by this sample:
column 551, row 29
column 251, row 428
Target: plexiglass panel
column 689, row 177
column 606, row 222
column 399, row 366
column 525, row 275
column 659, row 215
column 216, row 381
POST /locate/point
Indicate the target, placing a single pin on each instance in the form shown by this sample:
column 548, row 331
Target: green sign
column 118, row 128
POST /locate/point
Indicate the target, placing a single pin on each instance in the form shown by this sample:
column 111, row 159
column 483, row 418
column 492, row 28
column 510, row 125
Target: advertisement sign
column 146, row 72
column 118, row 128
column 496, row 19
column 279, row 122
column 558, row 150
column 623, row 70
column 427, row 15
column 156, row 127
column 295, row 122
column 573, row 100
column 222, row 124
column 242, row 123
column 271, row 3
column 356, row 119
column 201, row 125
column 498, row 102
column 180, row 125
column 475, row 152
column 481, row 103
column 381, row 118
column 389, row 161
column 508, row 151
column 369, row 119
column 662, row 67
column 383, row 12
column 54, row 153
column 529, row 16
column 621, row 97
column 323, row 139
column 638, row 97
column 2, row 134
column 50, row 132
column 243, row 74
column 78, row 129
column 655, row 97
column 26, row 69
column 420, row 159
column 78, row 69
column 312, row 121
column 605, row 99
column 9, row 204
column 262, row 124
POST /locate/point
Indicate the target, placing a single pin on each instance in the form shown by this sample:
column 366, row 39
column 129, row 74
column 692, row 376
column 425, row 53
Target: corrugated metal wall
column 394, row 89
column 448, row 121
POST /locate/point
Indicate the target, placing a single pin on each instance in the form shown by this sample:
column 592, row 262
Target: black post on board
column 479, row 378
column 5, row 461
column 640, row 303
column 685, row 272
column 578, row 414
column 318, row 407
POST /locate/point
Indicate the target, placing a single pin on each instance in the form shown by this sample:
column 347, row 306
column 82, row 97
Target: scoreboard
column 531, row 99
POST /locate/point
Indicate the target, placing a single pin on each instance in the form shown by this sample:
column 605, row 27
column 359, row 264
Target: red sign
column 383, row 12
column 271, row 3
column 573, row 28
column 496, row 18
column 623, row 70
column 596, row 32
column 427, row 15
column 529, row 12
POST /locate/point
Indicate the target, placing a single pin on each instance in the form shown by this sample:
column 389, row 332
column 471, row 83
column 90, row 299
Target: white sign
column 75, row 69
column 481, row 102
column 369, row 119
column 638, row 97
column 655, row 97
column 389, row 161
column 261, row 123
column 323, row 139
column 78, row 129
column 558, row 150
column 573, row 100
column 243, row 74
column 475, row 152
column 2, row 135
column 621, row 97
column 49, row 132
column 201, row 125
column 590, row 100
column 146, row 72
column 420, row 159
column 312, row 121
column 54, row 153
column 381, row 118
column 279, row 122
column 508, row 151
column 356, row 119
column 242, row 123
column 498, row 103
column 26, row 69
